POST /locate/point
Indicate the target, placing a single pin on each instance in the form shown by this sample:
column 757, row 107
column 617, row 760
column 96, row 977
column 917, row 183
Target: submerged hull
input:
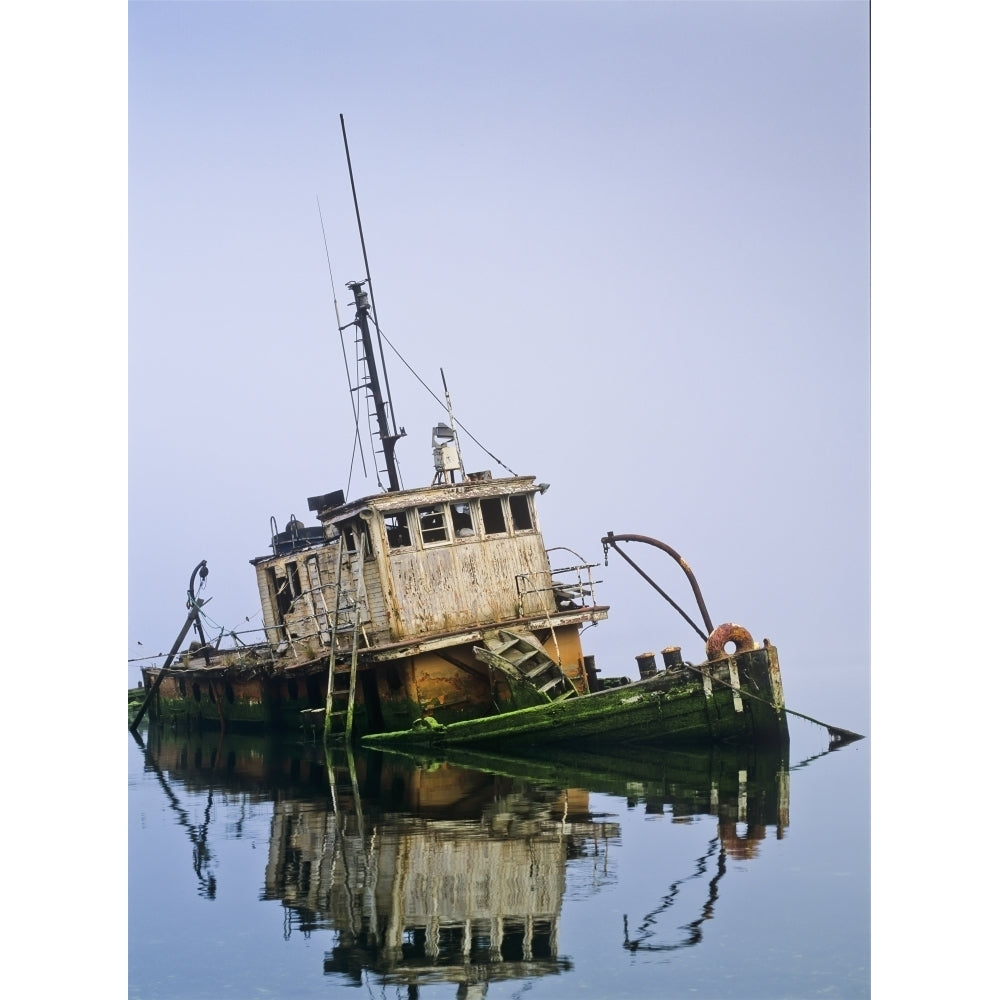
column 731, row 701
column 230, row 698
column 394, row 686
column 735, row 700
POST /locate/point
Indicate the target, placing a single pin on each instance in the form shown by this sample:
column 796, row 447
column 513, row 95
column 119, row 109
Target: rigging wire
column 223, row 632
column 357, row 448
column 380, row 337
column 443, row 406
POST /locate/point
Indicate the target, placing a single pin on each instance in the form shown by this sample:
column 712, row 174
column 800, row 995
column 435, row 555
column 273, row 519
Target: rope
column 443, row 406
column 835, row 731
column 223, row 631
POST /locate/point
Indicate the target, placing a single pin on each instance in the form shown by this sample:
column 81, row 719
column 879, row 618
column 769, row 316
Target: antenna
column 447, row 458
column 387, row 432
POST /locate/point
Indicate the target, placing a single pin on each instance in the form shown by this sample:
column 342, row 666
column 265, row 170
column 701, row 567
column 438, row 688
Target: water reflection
column 455, row 869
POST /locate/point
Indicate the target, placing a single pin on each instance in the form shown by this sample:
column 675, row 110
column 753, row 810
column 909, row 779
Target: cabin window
column 494, row 522
column 278, row 586
column 294, row 584
column 349, row 543
column 352, row 532
column 461, row 520
column 366, row 541
column 397, row 530
column 520, row 512
column 432, row 528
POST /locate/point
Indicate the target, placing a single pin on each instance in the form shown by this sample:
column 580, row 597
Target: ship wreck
column 439, row 615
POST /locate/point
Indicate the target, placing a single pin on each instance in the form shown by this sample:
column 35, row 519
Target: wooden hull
column 394, row 686
column 735, row 700
column 227, row 698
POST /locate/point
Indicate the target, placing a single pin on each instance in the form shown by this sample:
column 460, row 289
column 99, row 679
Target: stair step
column 520, row 661
column 502, row 647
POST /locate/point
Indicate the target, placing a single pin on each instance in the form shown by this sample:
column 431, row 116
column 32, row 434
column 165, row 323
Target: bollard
column 647, row 665
column 671, row 657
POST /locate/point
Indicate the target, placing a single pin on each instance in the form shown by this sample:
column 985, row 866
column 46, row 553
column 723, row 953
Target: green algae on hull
column 729, row 701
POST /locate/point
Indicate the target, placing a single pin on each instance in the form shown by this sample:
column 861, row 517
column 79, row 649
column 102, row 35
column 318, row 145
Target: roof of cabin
column 331, row 507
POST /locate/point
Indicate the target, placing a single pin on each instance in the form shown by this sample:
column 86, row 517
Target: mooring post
column 671, row 657
column 647, row 665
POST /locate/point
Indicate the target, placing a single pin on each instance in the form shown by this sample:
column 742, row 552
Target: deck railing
column 570, row 586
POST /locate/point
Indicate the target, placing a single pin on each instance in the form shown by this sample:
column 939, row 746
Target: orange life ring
column 715, row 648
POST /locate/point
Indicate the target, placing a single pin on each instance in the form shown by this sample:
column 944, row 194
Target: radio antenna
column 384, row 411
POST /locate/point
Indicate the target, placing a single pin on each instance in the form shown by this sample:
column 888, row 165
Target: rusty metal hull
column 396, row 685
column 229, row 697
column 735, row 700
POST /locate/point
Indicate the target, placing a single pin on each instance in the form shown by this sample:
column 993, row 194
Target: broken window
column 278, row 587
column 349, row 541
column 494, row 522
column 461, row 520
column 432, row 527
column 294, row 585
column 397, row 530
column 520, row 512
column 352, row 531
column 366, row 540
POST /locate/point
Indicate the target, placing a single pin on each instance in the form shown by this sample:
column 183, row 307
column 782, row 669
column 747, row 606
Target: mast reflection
column 454, row 869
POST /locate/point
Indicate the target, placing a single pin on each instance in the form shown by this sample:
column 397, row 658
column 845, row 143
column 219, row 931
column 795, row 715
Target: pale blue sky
column 635, row 236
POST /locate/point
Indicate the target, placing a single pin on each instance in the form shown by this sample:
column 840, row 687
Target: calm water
column 266, row 870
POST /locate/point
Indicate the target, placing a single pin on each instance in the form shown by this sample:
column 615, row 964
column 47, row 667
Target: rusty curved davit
column 718, row 640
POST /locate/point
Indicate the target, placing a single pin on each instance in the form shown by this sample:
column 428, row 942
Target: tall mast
column 386, row 432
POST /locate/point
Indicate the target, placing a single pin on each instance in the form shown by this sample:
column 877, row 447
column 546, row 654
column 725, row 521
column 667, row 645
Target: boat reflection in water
column 454, row 869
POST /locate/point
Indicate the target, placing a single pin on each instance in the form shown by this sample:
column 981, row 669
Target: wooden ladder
column 339, row 704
